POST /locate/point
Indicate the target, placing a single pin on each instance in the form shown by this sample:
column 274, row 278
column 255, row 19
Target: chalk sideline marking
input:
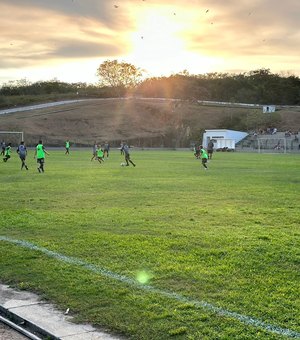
column 169, row 294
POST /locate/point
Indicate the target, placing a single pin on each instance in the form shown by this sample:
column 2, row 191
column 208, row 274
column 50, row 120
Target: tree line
column 118, row 79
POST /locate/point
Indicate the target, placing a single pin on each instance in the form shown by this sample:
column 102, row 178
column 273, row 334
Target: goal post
column 271, row 145
column 11, row 136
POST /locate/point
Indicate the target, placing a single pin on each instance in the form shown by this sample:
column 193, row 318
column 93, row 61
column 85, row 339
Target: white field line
column 169, row 294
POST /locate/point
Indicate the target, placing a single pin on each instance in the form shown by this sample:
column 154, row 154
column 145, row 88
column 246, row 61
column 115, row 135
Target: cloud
column 80, row 49
column 64, row 50
column 39, row 32
column 248, row 28
column 66, row 7
column 101, row 10
column 39, row 35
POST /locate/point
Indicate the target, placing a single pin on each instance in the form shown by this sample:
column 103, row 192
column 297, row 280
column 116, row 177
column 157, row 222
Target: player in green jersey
column 40, row 156
column 67, row 147
column 7, row 152
column 100, row 155
column 204, row 157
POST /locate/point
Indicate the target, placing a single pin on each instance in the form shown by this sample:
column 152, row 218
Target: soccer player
column 100, row 155
column 106, row 149
column 95, row 148
column 3, row 146
column 7, row 152
column 22, row 151
column 203, row 156
column 67, row 148
column 127, row 154
column 210, row 149
column 40, row 156
column 121, row 148
column 197, row 151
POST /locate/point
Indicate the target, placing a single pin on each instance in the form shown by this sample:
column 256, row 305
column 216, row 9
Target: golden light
column 155, row 42
column 159, row 43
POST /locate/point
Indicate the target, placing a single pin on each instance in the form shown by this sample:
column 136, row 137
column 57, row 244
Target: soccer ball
column 122, row 164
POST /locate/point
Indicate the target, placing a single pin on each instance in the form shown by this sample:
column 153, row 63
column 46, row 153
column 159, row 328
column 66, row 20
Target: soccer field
column 163, row 250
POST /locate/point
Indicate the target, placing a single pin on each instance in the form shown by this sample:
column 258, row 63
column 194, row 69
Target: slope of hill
column 144, row 122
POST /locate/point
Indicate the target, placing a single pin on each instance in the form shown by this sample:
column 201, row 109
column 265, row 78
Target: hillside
column 143, row 122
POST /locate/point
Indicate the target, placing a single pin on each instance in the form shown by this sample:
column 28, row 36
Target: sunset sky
column 69, row 39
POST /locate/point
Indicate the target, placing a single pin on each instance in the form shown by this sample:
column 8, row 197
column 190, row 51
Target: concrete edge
column 26, row 325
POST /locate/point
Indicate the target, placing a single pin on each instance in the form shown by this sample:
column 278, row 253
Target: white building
column 269, row 108
column 223, row 138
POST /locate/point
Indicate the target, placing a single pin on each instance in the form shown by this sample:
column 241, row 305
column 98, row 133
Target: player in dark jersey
column 22, row 151
column 125, row 149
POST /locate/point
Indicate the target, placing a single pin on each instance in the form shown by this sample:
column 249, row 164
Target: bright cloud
column 68, row 39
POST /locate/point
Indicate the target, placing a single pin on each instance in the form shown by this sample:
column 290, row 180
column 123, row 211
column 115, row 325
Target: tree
column 118, row 75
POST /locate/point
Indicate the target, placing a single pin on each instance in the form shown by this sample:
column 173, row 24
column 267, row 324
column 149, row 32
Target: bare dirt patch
column 139, row 120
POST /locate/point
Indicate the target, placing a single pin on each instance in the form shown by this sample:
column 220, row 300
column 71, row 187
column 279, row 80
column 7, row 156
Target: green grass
column 228, row 236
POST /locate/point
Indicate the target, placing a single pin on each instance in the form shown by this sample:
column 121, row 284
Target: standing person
column 22, row 151
column 3, row 146
column 210, row 149
column 95, row 148
column 7, row 152
column 40, row 155
column 106, row 149
column 203, row 156
column 67, row 147
column 127, row 155
column 121, row 148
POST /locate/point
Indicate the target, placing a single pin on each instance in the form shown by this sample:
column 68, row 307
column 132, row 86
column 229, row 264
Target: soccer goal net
column 275, row 145
column 13, row 137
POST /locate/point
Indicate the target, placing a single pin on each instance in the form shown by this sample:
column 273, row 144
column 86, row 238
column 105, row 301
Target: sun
column 159, row 45
column 156, row 42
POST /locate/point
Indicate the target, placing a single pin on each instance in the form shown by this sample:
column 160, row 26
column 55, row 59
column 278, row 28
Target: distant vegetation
column 256, row 87
column 172, row 123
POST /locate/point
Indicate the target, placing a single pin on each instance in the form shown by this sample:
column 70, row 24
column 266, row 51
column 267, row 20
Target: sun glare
column 156, row 34
column 155, row 42
column 158, row 45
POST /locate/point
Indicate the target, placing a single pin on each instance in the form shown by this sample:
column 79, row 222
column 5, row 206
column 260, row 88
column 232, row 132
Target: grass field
column 163, row 250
